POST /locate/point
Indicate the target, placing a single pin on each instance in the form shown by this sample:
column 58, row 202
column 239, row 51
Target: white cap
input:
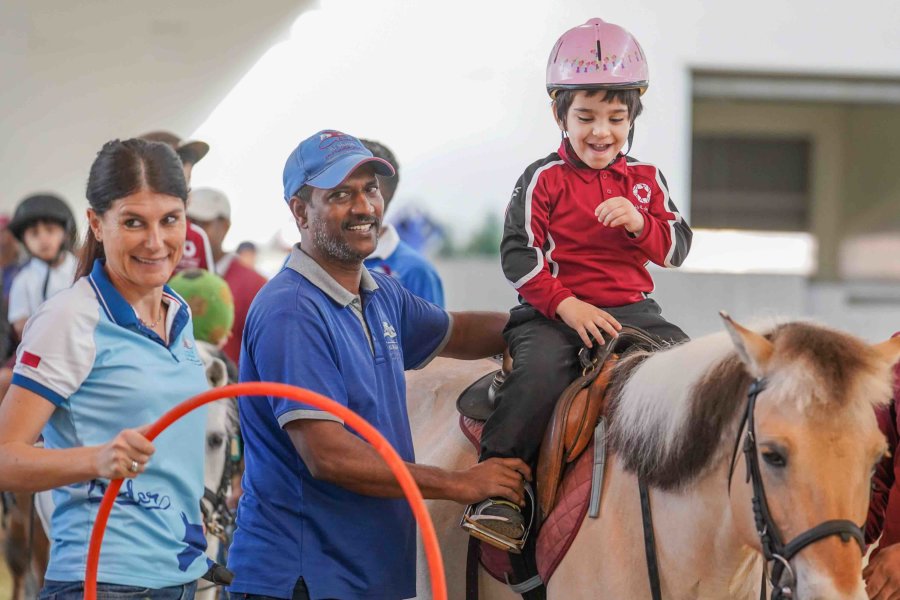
column 208, row 204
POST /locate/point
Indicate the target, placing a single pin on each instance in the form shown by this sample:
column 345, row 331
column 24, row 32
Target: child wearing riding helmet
column 46, row 227
column 580, row 228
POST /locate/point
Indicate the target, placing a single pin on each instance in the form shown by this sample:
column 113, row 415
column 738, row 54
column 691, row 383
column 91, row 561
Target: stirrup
column 476, row 529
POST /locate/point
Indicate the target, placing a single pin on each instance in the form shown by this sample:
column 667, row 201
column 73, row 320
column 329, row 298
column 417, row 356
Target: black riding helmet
column 43, row 207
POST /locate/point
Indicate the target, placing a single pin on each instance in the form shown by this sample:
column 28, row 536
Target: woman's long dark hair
column 123, row 168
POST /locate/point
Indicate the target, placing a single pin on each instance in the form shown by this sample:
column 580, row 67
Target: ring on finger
column 134, row 466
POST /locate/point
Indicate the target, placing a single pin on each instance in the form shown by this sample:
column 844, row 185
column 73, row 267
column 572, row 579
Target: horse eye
column 774, row 459
column 215, row 440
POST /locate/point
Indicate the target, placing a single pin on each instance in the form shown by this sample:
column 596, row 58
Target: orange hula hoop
column 356, row 422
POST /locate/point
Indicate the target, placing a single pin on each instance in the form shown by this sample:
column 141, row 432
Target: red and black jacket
column 553, row 246
column 884, row 508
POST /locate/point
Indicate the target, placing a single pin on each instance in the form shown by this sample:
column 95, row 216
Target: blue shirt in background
column 401, row 261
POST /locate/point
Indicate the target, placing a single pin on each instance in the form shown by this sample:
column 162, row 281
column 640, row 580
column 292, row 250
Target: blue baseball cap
column 325, row 159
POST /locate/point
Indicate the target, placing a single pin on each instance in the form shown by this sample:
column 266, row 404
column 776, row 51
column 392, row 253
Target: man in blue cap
column 322, row 515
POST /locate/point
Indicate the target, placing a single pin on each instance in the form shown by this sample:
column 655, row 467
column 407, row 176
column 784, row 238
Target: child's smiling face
column 597, row 128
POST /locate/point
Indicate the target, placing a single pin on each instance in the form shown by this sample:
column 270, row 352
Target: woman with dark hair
column 97, row 363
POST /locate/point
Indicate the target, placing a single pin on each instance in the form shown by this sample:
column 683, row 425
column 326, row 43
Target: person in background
column 45, row 225
column 246, row 253
column 197, row 251
column 100, row 361
column 210, row 210
column 882, row 574
column 12, row 259
column 393, row 256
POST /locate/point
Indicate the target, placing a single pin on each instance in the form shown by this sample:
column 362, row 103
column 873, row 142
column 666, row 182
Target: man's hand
column 495, row 477
column 587, row 320
column 882, row 575
column 620, row 212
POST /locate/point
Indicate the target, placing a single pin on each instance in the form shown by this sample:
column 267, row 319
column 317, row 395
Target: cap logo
column 327, row 138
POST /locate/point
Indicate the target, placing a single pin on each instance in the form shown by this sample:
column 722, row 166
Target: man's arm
column 335, row 455
column 476, row 335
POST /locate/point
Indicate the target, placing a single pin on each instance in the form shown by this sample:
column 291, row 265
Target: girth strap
column 649, row 541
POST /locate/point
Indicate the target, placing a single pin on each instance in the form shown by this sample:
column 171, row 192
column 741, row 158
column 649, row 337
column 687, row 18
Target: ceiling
column 76, row 74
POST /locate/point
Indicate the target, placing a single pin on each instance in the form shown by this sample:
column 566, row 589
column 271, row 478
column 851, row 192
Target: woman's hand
column 125, row 455
column 587, row 320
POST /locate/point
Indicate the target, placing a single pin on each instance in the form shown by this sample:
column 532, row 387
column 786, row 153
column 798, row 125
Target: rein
column 775, row 551
column 217, row 516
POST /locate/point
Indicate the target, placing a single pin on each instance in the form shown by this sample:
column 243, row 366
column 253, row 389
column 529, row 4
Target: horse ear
column 754, row 350
column 889, row 350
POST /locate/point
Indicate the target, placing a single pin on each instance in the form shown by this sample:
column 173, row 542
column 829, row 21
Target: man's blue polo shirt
column 306, row 330
column 85, row 351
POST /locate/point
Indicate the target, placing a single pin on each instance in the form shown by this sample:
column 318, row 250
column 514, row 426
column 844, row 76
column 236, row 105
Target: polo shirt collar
column 122, row 313
column 224, row 263
column 303, row 263
column 619, row 166
column 387, row 243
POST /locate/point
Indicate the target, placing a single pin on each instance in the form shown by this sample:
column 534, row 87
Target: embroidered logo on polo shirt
column 30, row 360
column 390, row 340
column 641, row 192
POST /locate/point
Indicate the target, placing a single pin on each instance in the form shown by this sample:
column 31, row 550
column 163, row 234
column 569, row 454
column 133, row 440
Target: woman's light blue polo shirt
column 85, row 351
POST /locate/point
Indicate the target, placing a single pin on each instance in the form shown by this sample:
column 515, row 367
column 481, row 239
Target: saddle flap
column 588, row 406
column 571, row 429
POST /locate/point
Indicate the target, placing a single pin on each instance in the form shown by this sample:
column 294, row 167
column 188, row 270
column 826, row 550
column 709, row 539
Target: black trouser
column 545, row 361
column 300, row 593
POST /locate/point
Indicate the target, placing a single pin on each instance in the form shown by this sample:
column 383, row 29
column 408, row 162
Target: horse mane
column 674, row 414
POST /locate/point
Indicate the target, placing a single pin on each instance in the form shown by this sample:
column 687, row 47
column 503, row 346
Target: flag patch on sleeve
column 30, row 360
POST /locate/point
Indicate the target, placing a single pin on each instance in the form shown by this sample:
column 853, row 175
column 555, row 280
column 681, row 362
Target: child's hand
column 620, row 212
column 587, row 320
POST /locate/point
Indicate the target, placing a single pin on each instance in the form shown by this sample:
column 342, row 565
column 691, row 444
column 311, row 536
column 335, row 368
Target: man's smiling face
column 344, row 221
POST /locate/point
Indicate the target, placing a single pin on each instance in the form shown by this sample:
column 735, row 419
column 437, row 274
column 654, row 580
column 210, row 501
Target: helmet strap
column 630, row 139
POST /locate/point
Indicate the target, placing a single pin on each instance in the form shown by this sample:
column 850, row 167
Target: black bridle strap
column 846, row 529
column 649, row 541
column 773, row 546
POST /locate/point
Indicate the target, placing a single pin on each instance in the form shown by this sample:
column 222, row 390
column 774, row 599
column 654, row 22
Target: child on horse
column 580, row 228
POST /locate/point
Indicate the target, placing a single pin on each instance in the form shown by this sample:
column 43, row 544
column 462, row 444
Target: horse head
column 680, row 422
column 815, row 445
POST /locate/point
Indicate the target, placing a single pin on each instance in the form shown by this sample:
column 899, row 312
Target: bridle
column 781, row 577
column 217, row 516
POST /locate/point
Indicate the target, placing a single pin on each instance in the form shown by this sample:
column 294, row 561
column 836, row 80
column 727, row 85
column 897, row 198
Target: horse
column 26, row 548
column 677, row 418
column 222, row 426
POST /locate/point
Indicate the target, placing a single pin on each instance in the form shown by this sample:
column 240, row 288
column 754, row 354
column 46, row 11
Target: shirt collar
column 387, row 243
column 303, row 263
column 223, row 264
column 618, row 166
column 122, row 313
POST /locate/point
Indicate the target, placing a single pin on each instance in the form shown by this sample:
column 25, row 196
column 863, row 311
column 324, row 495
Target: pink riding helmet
column 597, row 55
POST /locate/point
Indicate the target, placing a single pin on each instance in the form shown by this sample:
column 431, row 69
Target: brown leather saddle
column 577, row 411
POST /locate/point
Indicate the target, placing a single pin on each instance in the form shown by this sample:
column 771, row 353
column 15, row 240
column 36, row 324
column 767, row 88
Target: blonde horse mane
column 674, row 414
